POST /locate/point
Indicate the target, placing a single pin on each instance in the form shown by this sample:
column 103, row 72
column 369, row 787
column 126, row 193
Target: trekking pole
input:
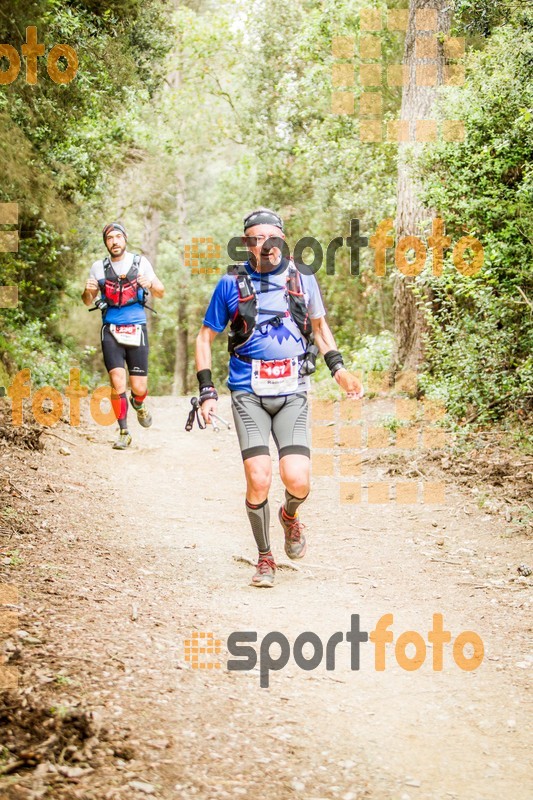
column 194, row 413
column 219, row 419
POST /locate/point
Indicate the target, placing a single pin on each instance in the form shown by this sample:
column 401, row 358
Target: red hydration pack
column 122, row 290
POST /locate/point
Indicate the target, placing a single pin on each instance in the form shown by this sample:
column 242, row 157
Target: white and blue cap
column 263, row 216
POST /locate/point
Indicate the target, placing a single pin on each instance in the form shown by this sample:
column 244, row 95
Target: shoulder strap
column 245, row 285
column 237, row 269
column 297, row 301
column 294, row 284
column 245, row 317
column 134, row 269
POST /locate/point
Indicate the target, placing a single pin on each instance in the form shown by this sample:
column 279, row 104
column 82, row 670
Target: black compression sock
column 292, row 503
column 259, row 516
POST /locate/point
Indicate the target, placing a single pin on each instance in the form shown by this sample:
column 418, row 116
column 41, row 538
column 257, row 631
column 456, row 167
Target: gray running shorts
column 285, row 416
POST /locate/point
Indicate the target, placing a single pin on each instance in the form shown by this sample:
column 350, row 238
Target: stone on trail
column 142, row 786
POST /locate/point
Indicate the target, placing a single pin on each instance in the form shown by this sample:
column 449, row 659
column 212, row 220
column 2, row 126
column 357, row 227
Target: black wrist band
column 204, row 378
column 207, row 393
column 334, row 361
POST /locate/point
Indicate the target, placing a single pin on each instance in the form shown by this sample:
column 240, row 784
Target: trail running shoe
column 265, row 573
column 143, row 415
column 295, row 544
column 123, row 441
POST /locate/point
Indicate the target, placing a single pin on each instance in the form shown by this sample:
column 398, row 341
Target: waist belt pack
column 128, row 335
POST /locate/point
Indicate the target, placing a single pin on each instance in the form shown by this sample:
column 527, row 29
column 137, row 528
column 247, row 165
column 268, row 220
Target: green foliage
column 370, row 354
column 481, row 328
column 482, row 16
column 230, row 131
column 56, row 141
column 476, row 359
column 196, row 113
column 30, row 346
column 308, row 162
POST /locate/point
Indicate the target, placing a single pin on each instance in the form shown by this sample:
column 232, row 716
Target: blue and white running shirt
column 270, row 342
column 127, row 315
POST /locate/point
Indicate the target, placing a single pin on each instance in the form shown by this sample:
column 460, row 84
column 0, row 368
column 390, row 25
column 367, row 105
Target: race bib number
column 127, row 334
column 270, row 378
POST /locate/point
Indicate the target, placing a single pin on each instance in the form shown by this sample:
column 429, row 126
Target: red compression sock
column 139, row 398
column 120, row 407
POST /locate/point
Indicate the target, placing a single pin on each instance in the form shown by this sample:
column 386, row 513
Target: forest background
column 183, row 117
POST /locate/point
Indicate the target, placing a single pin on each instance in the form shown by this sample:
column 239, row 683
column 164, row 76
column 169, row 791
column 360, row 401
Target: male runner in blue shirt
column 273, row 309
column 123, row 279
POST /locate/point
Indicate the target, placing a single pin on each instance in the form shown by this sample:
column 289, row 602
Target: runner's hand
column 144, row 282
column 92, row 285
column 206, row 408
column 351, row 385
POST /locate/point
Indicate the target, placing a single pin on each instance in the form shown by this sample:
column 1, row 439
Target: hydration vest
column 246, row 316
column 121, row 290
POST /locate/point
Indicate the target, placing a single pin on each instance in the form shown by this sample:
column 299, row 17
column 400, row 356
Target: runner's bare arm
column 154, row 286
column 203, row 361
column 324, row 338
column 325, row 341
column 203, row 347
column 90, row 291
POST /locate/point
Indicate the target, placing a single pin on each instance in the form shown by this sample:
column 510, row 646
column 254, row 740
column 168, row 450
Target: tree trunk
column 152, row 225
column 180, row 384
column 417, row 104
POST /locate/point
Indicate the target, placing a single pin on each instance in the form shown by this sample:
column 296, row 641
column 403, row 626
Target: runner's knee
column 259, row 477
column 297, row 486
column 295, row 477
column 138, row 384
column 117, row 378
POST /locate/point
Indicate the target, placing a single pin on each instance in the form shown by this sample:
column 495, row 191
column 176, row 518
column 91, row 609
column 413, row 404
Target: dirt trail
column 161, row 551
